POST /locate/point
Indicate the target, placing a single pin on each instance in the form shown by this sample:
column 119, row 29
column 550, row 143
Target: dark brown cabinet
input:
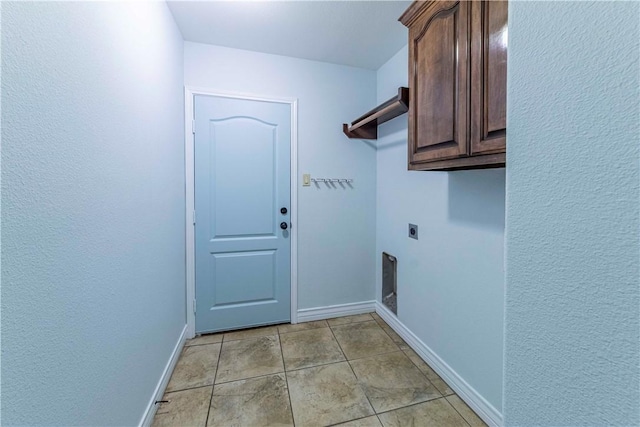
column 457, row 83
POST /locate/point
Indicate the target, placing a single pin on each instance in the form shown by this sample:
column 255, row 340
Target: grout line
column 214, row 383
column 187, row 347
column 404, row 351
column 303, row 330
column 285, row 372
column 425, row 375
column 255, row 376
column 385, row 327
column 367, row 356
column 395, row 351
column 277, row 335
column 253, row 337
column 188, row 388
column 416, row 365
column 413, row 404
column 338, row 342
column 379, row 320
column 360, row 387
column 454, row 408
column 249, row 378
column 199, row 345
column 370, row 356
column 354, row 372
column 316, row 366
column 350, row 323
column 432, row 384
column 286, row 380
column 348, row 421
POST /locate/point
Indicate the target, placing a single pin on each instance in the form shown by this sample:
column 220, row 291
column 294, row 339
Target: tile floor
column 352, row 371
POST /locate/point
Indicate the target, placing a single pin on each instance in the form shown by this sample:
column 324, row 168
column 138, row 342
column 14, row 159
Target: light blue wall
column 336, row 225
column 572, row 324
column 93, row 276
column 451, row 281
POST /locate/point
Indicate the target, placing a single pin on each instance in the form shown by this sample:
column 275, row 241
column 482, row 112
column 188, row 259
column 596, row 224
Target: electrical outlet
column 413, row 231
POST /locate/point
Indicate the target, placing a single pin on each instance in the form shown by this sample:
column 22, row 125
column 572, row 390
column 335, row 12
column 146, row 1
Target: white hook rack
column 329, row 180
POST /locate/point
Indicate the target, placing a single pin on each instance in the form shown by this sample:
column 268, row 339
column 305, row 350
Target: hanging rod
column 366, row 126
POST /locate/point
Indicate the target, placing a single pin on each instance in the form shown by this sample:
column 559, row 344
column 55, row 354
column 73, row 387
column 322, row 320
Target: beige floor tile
column 393, row 335
column 325, row 395
column 363, row 339
column 389, row 330
column 310, row 348
column 380, row 321
column 376, row 317
column 421, row 364
column 251, row 333
column 283, row 329
column 436, row 413
column 442, row 386
column 466, row 412
column 383, row 323
column 205, row 339
column 262, row 401
column 249, row 358
column 185, row 408
column 362, row 422
column 195, row 368
column 391, row 381
column 350, row 319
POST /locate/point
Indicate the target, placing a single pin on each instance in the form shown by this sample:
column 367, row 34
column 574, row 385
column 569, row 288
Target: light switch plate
column 306, row 180
column 413, row 231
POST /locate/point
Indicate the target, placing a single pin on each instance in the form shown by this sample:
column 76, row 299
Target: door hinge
column 193, row 126
column 194, row 217
column 194, row 306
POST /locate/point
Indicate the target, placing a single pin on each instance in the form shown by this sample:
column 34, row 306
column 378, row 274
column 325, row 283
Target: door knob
column 284, row 225
column 283, row 211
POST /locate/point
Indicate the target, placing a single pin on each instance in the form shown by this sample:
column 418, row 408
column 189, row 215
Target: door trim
column 189, row 138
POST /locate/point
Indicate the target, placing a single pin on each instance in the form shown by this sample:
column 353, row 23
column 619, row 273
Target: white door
column 242, row 202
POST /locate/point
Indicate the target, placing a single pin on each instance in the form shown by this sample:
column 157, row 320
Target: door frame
column 189, row 137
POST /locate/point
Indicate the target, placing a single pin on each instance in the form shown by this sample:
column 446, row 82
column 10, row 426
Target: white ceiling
column 357, row 33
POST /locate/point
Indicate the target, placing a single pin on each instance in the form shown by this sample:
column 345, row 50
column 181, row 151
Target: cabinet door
column 488, row 76
column 438, row 52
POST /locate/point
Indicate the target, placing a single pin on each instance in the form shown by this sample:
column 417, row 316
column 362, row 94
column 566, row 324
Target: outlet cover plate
column 413, row 231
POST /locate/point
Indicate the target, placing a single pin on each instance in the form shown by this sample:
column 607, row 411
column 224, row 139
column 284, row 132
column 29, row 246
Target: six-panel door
column 242, row 181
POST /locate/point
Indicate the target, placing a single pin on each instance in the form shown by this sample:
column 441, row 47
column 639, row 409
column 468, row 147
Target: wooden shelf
column 366, row 127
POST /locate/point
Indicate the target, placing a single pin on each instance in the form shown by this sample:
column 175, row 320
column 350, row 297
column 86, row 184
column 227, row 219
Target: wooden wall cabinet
column 457, row 84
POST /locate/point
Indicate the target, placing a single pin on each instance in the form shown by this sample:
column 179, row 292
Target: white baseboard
column 479, row 404
column 150, row 412
column 321, row 313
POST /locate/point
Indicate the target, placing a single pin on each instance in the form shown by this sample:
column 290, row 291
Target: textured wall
column 572, row 297
column 93, row 209
column 336, row 225
column 450, row 281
